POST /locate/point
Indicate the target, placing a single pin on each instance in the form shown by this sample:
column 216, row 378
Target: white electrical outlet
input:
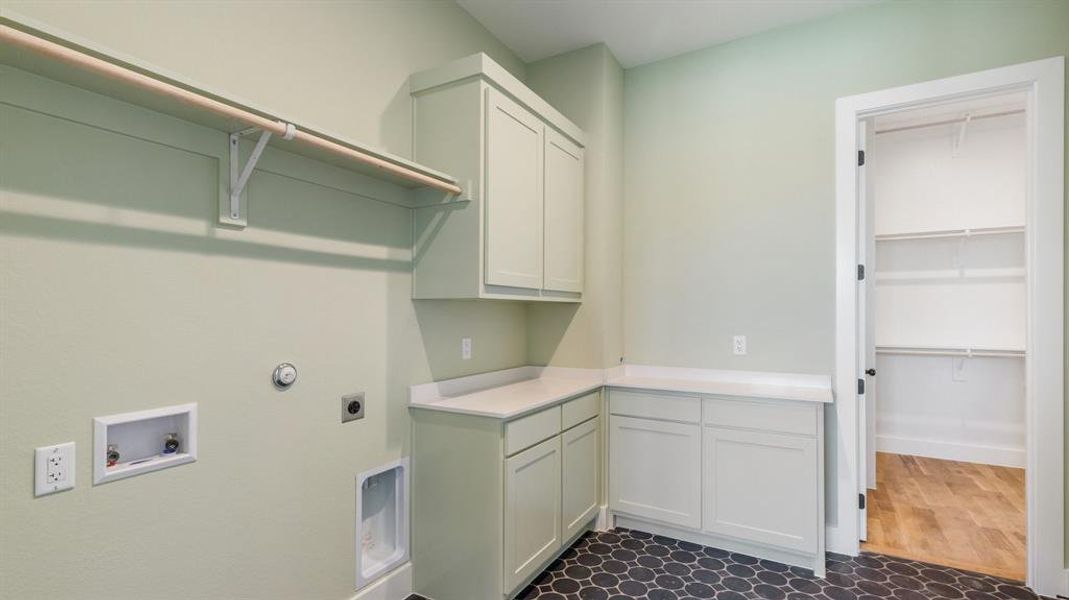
column 53, row 469
column 738, row 344
column 465, row 348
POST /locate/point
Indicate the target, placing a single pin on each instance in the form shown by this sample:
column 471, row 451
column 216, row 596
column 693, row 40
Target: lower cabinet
column 742, row 474
column 532, row 510
column 495, row 501
column 655, row 469
column 551, row 495
column 760, row 487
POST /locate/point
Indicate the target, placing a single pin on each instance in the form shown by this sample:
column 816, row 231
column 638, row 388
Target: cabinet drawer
column 528, row 431
column 763, row 415
column 579, row 410
column 646, row 405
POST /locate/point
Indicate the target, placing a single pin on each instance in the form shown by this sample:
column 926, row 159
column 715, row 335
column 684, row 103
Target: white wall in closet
column 950, row 277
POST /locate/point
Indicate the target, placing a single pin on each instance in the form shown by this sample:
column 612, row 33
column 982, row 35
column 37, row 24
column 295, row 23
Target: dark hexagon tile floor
column 624, row 564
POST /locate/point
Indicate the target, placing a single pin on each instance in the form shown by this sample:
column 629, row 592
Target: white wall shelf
column 948, row 233
column 38, row 49
column 139, row 438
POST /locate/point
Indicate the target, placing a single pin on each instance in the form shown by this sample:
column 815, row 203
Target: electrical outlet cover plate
column 738, row 345
column 53, row 469
column 352, row 407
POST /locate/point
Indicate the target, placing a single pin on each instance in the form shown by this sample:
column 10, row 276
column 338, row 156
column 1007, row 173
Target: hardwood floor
column 961, row 515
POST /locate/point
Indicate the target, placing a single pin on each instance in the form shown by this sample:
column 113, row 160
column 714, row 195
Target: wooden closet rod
column 950, row 121
column 104, row 68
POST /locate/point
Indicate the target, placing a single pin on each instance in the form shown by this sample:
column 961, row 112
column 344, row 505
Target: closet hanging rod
column 949, row 233
column 959, row 352
column 1005, row 113
column 116, row 72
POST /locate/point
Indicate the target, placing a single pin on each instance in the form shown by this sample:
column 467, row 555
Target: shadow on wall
column 497, row 328
column 130, row 181
column 396, row 121
column 102, row 186
column 117, row 208
column 547, row 325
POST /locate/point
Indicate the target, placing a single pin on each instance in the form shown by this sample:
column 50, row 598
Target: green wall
column 119, row 292
column 587, row 86
column 729, row 225
column 729, row 205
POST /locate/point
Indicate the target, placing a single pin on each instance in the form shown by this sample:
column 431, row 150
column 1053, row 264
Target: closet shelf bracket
column 234, row 213
column 960, row 140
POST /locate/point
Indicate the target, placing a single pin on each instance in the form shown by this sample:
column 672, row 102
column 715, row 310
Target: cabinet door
column 761, row 487
column 564, row 214
column 514, row 179
column 655, row 470
column 532, row 510
column 579, row 499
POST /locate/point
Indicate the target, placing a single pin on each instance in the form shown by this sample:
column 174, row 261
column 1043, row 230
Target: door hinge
column 861, row 272
column 861, row 158
column 861, row 501
column 860, row 386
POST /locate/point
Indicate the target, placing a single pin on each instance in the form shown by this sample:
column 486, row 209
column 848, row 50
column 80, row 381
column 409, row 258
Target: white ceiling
column 637, row 31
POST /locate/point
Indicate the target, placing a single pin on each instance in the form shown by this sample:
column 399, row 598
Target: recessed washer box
column 382, row 507
column 141, row 440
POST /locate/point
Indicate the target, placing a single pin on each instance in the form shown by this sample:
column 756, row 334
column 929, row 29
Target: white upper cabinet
column 564, row 214
column 514, row 193
column 517, row 232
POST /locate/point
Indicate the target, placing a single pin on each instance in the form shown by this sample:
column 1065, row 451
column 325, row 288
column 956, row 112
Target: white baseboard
column 602, row 522
column 395, row 585
column 834, row 542
column 972, row 453
column 787, row 557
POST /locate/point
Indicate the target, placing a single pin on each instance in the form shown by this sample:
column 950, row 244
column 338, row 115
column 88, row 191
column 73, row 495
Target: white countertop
column 506, row 394
column 748, row 389
column 515, row 392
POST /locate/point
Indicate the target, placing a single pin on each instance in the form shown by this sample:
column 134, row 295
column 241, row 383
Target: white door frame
column 1044, row 80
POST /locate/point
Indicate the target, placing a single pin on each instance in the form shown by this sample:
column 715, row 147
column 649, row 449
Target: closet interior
column 946, row 423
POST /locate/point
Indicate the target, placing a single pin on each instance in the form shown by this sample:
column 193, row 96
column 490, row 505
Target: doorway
column 925, row 259
column 944, row 193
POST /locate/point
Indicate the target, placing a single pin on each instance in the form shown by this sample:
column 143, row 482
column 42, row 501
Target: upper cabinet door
column 564, row 214
column 514, row 174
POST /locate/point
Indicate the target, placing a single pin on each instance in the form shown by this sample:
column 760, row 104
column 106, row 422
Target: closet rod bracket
column 234, row 213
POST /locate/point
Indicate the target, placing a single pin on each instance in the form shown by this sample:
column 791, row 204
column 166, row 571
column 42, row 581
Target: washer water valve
column 171, row 443
column 113, row 455
column 284, row 376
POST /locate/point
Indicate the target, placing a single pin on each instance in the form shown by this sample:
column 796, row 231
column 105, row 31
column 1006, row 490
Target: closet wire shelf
column 966, row 352
column 949, row 233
